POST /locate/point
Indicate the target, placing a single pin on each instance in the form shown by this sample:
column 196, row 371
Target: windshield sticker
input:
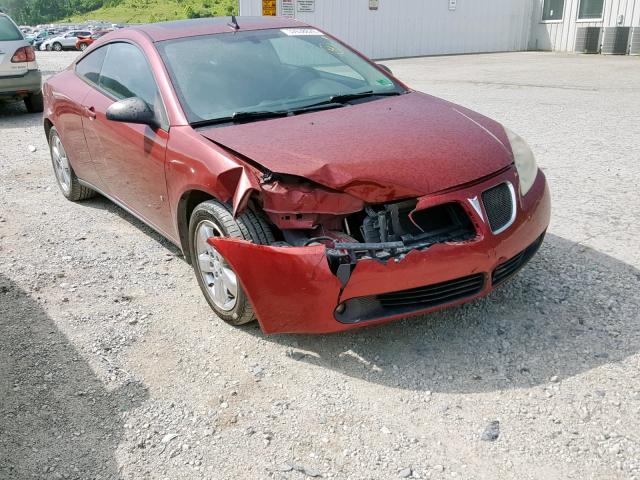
column 385, row 82
column 297, row 32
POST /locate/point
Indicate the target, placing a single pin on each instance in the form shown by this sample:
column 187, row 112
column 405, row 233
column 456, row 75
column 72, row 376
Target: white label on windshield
column 294, row 32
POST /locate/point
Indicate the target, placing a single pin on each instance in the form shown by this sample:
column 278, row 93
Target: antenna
column 234, row 23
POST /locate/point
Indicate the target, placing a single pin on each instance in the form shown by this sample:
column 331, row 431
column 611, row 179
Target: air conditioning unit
column 588, row 40
column 634, row 46
column 615, row 40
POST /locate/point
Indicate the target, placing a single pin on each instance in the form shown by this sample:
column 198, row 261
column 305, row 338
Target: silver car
column 66, row 41
column 20, row 78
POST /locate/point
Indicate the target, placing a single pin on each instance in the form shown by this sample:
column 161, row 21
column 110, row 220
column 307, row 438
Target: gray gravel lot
column 113, row 366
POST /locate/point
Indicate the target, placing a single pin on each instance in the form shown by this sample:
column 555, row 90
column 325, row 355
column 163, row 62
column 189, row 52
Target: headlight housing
column 524, row 160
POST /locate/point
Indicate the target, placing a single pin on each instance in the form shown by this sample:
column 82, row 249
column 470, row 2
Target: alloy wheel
column 219, row 279
column 61, row 165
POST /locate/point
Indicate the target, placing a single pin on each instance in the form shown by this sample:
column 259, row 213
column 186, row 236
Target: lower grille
column 506, row 270
column 362, row 309
column 433, row 295
column 499, row 205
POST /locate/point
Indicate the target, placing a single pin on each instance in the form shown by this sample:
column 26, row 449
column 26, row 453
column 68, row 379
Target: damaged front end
column 332, row 247
column 309, row 214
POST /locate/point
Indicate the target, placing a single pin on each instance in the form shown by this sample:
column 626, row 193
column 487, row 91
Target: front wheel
column 216, row 278
column 83, row 47
column 57, row 47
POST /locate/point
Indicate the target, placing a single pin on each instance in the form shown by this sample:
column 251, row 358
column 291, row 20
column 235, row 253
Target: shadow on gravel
column 102, row 203
column 570, row 310
column 56, row 418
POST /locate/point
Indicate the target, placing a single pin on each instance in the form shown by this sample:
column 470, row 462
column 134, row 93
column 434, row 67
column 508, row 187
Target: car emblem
column 475, row 203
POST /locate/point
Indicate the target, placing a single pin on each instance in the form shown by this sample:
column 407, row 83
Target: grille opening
column 499, row 206
column 393, row 222
column 442, row 218
column 404, row 302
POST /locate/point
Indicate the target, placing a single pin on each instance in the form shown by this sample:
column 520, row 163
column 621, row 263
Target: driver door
column 129, row 158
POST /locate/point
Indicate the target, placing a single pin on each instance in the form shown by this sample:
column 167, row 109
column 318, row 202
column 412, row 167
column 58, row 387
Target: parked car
column 307, row 186
column 20, row 78
column 82, row 43
column 38, row 39
column 66, row 41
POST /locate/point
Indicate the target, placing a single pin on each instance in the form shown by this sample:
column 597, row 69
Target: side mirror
column 385, row 68
column 132, row 110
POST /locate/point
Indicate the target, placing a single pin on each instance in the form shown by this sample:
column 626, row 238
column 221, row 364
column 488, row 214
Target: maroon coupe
column 307, row 186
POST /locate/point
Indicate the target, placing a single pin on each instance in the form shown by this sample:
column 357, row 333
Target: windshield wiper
column 260, row 114
column 239, row 116
column 346, row 97
column 343, row 98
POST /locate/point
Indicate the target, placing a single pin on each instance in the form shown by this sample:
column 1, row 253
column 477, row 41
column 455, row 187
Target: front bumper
column 21, row 85
column 293, row 290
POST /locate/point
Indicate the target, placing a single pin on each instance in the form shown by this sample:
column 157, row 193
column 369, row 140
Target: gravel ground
column 113, row 366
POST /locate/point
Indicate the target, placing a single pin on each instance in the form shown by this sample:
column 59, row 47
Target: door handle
column 90, row 112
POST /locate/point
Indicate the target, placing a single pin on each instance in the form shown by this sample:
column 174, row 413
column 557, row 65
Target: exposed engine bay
column 307, row 214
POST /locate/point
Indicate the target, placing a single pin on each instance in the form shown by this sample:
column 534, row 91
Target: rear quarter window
column 8, row 31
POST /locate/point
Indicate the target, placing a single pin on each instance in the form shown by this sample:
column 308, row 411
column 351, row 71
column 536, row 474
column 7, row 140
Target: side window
column 126, row 74
column 89, row 67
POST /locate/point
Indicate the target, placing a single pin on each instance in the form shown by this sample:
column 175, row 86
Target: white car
column 20, row 78
column 64, row 42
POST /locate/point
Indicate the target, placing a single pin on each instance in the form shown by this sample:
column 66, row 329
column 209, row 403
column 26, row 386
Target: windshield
column 8, row 31
column 216, row 76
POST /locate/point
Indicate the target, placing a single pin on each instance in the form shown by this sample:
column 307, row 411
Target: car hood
column 396, row 147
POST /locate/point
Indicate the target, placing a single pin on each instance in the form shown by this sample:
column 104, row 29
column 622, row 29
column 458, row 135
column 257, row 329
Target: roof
column 207, row 26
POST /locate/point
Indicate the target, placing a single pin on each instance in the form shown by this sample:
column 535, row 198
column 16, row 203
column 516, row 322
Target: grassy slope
column 145, row 11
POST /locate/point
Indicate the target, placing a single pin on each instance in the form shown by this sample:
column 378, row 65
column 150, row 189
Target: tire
column 34, row 103
column 247, row 226
column 83, row 47
column 48, row 48
column 67, row 181
column 56, row 47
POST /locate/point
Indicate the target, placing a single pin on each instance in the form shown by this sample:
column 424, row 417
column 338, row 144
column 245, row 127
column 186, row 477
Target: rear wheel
column 65, row 176
column 83, row 46
column 34, row 103
column 57, row 47
column 216, row 278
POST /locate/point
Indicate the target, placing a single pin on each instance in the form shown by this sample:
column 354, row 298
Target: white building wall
column 561, row 35
column 403, row 28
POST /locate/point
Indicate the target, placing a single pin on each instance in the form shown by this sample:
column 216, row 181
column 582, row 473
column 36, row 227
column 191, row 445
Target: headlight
column 524, row 160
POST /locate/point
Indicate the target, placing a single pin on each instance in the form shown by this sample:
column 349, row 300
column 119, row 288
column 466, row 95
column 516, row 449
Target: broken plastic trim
column 386, row 250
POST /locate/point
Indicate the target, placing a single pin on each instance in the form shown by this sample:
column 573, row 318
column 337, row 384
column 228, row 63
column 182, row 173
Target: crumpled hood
column 382, row 150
